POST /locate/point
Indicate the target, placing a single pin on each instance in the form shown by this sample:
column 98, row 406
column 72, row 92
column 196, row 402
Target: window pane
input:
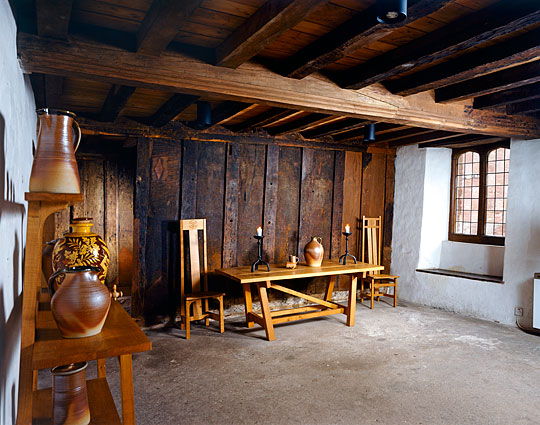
column 466, row 194
column 496, row 191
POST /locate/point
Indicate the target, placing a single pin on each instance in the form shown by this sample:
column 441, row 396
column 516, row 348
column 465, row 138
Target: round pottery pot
column 81, row 303
column 70, row 397
column 314, row 252
column 81, row 247
column 54, row 169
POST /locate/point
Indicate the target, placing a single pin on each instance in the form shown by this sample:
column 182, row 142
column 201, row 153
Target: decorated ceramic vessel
column 314, row 252
column 81, row 247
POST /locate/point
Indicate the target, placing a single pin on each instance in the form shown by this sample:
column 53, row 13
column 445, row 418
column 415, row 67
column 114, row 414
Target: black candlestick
column 255, row 265
column 344, row 256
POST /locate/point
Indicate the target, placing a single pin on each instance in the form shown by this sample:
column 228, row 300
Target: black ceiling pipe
column 204, row 115
column 391, row 11
column 369, row 133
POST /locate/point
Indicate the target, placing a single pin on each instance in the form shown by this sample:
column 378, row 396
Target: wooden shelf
column 54, row 197
column 120, row 335
column 102, row 408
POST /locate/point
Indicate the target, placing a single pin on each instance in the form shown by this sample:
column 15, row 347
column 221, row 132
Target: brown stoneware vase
column 46, row 259
column 80, row 304
column 70, row 397
column 54, row 169
column 314, row 252
column 81, row 247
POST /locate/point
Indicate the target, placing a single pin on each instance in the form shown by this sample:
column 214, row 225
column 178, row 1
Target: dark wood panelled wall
column 294, row 193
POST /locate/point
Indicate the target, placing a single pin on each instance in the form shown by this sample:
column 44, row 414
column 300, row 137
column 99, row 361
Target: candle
column 347, row 228
column 259, row 231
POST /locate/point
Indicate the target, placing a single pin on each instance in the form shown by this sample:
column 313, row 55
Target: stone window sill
column 464, row 275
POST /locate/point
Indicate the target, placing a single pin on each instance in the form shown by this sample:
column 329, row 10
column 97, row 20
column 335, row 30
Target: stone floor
column 409, row 365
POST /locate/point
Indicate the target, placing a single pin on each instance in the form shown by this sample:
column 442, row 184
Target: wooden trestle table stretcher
column 265, row 280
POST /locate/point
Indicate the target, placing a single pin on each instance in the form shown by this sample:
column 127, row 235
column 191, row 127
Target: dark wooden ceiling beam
column 506, row 97
column 274, row 18
column 517, row 50
column 359, row 31
column 525, row 107
column 459, row 141
column 117, row 98
column 53, row 18
column 424, row 137
column 265, row 118
column 162, row 23
column 503, row 80
column 340, row 126
column 54, row 87
column 470, row 31
column 181, row 74
column 298, row 125
column 227, row 110
column 403, row 133
column 170, row 109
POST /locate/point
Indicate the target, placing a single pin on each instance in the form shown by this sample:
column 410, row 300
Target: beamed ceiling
column 455, row 73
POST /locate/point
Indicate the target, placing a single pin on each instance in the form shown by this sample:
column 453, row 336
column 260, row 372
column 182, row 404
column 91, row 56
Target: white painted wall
column 420, row 237
column 17, row 130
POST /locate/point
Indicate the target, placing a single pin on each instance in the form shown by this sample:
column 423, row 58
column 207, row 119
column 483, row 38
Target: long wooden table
column 265, row 280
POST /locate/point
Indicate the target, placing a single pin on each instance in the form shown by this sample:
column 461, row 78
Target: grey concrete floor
column 409, row 365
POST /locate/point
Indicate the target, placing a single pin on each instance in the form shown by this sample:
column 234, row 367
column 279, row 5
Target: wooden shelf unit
column 43, row 347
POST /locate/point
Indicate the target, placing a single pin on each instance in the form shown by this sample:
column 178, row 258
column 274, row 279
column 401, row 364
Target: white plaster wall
column 17, row 130
column 437, row 172
column 415, row 240
column 472, row 258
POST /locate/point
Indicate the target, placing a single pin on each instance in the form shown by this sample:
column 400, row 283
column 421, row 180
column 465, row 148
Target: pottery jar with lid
column 70, row 396
column 314, row 252
column 81, row 247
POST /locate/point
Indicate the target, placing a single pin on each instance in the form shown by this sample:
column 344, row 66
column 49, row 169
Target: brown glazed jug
column 55, row 169
column 81, row 303
column 314, row 252
column 70, row 396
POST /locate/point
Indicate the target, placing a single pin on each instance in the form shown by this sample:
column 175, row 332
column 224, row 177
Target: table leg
column 101, row 368
column 126, row 386
column 352, row 302
column 248, row 303
column 265, row 307
column 330, row 288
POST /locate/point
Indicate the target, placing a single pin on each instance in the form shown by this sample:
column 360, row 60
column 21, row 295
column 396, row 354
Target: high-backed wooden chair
column 197, row 270
column 372, row 244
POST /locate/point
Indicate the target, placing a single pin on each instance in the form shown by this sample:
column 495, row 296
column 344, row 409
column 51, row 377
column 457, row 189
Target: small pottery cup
column 294, row 259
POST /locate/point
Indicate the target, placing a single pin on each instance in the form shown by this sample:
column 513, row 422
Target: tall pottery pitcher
column 55, row 169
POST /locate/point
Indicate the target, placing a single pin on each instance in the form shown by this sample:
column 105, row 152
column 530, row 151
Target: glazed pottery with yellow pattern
column 81, row 247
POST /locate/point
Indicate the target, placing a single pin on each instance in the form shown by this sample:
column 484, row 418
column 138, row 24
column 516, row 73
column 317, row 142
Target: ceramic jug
column 314, row 252
column 54, row 169
column 70, row 396
column 81, row 247
column 80, row 304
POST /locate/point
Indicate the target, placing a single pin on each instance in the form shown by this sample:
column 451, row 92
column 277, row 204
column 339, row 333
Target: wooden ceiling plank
column 117, row 98
column 460, row 140
column 359, row 31
column 507, row 97
column 53, row 18
column 517, row 50
column 503, row 80
column 470, row 31
column 335, row 127
column 170, row 109
column 54, row 87
column 266, row 118
column 162, row 23
column 525, row 107
column 253, row 83
column 38, row 87
column 270, row 21
column 227, row 110
column 297, row 125
column 424, row 137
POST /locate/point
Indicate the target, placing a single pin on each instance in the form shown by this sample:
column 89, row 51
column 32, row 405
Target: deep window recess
column 479, row 193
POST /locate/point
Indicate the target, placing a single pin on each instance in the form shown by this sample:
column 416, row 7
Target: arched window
column 479, row 192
